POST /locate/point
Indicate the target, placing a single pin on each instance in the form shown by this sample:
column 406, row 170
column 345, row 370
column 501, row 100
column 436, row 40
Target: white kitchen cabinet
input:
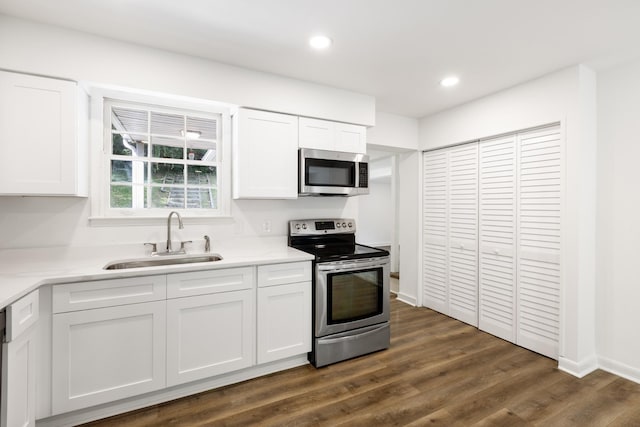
column 19, row 364
column 328, row 135
column 41, row 136
column 284, row 310
column 265, row 155
column 105, row 354
column 209, row 335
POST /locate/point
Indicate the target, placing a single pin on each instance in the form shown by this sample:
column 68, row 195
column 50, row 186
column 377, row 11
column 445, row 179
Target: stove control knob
column 344, row 225
column 350, row 225
column 304, row 226
column 297, row 226
column 338, row 224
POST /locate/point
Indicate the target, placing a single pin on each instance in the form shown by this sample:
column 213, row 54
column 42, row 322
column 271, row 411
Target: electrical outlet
column 266, row 226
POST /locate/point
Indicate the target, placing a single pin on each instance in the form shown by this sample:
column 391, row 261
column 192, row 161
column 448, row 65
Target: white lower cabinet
column 284, row 310
column 18, row 368
column 106, row 354
column 284, row 321
column 180, row 328
column 209, row 335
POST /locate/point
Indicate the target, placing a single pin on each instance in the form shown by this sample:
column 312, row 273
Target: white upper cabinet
column 327, row 135
column 42, row 153
column 265, row 155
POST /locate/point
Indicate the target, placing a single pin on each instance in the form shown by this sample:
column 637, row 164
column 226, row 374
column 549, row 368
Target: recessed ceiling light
column 449, row 81
column 320, row 42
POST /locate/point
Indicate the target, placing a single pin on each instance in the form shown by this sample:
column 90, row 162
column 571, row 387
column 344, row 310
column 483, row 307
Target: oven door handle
column 355, row 334
column 353, row 265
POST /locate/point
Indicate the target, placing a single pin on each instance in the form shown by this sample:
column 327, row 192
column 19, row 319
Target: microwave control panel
column 363, row 175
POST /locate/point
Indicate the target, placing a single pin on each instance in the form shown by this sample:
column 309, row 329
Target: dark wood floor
column 438, row 371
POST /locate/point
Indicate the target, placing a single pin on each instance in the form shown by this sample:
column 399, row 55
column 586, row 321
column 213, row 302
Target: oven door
column 351, row 294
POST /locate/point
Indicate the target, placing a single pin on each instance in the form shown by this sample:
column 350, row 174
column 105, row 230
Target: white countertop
column 23, row 270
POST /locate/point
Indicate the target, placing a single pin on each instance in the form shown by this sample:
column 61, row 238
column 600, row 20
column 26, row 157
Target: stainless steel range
column 350, row 290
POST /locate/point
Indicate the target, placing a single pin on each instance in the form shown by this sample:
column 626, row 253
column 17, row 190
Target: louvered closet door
column 497, row 229
column 539, row 200
column 463, row 233
column 435, row 231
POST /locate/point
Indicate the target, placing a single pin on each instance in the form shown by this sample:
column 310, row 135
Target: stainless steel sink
column 154, row 262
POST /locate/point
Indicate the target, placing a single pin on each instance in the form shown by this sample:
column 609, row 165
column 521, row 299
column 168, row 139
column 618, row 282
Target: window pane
column 202, row 198
column 167, row 124
column 201, row 175
column 167, row 148
column 129, row 121
column 202, row 128
column 130, row 144
column 121, row 196
column 128, row 171
column 167, row 173
column 167, row 197
column 201, row 150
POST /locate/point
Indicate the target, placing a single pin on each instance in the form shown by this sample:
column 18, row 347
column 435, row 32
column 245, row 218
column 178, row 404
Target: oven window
column 354, row 295
column 330, row 173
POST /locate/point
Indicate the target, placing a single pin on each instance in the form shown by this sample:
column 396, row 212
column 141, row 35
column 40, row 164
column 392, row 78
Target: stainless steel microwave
column 332, row 173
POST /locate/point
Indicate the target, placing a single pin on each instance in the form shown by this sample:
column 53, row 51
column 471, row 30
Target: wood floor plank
column 438, row 371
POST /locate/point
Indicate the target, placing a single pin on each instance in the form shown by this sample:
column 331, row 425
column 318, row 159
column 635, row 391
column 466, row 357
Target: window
column 156, row 159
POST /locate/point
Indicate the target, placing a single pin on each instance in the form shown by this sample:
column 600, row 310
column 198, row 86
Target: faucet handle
column 207, row 244
column 154, row 248
column 182, row 249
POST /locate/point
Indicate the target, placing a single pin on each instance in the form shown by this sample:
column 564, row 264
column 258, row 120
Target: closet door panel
column 435, row 229
column 539, row 200
column 463, row 233
column 497, row 229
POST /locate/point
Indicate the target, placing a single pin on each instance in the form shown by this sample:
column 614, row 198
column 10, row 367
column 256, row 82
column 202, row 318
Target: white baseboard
column 578, row 369
column 620, row 369
column 407, row 299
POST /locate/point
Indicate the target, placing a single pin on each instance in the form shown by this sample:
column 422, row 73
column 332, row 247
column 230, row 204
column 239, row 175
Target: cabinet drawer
column 21, row 315
column 209, row 282
column 107, row 293
column 279, row 274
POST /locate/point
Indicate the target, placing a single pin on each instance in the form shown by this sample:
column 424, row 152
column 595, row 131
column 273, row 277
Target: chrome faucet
column 180, row 226
column 207, row 244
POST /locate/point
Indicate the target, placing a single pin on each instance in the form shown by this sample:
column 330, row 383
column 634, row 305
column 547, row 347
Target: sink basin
column 154, row 262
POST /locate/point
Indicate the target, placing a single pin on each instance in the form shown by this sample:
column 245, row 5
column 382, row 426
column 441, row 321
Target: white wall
column 376, row 210
column 42, row 49
column 568, row 97
column 618, row 229
column 27, row 222
column 47, row 50
column 399, row 134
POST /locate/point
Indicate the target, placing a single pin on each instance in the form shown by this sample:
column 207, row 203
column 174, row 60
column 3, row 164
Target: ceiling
column 395, row 50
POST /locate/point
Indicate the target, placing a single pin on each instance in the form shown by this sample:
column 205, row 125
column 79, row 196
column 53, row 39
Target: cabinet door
column 284, row 321
column 209, row 335
column 265, row 155
column 497, row 261
column 351, row 138
column 107, row 354
column 37, row 135
column 316, row 134
column 18, row 381
column 539, row 232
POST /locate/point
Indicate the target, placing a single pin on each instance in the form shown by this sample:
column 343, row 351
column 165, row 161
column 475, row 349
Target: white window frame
column 101, row 212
